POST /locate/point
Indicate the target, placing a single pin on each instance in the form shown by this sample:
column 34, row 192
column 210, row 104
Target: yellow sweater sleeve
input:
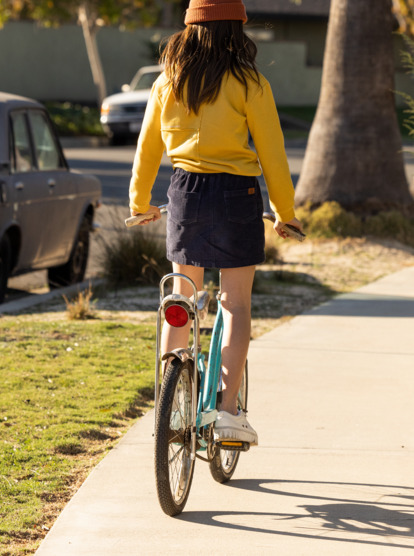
column 148, row 155
column 264, row 126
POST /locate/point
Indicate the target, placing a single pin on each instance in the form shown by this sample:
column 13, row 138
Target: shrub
column 75, row 119
column 134, row 256
column 391, row 224
column 330, row 220
column 80, row 307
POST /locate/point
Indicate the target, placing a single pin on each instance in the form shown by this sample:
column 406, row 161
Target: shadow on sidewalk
column 367, row 522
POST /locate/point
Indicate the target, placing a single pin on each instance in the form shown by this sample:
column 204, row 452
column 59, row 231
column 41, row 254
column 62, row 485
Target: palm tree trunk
column 354, row 153
column 89, row 33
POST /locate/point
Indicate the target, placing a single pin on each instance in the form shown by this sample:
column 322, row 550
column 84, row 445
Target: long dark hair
column 202, row 54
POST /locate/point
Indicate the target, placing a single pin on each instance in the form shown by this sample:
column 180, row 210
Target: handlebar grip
column 293, row 232
column 135, row 220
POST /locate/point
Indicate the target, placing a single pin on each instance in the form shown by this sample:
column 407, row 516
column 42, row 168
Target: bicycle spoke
column 174, row 466
column 176, row 455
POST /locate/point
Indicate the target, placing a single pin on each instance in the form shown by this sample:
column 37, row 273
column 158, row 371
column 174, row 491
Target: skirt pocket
column 183, row 206
column 241, row 205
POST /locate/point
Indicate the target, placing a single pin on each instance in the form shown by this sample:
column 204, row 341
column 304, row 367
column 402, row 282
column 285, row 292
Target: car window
column 22, row 152
column 145, row 81
column 47, row 153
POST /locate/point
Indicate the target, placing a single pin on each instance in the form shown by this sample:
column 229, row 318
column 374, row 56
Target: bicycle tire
column 174, row 467
column 224, row 462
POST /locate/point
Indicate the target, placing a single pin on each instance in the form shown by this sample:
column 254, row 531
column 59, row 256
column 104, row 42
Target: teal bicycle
column 187, row 399
column 186, row 403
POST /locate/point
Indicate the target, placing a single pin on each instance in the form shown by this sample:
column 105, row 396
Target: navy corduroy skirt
column 214, row 220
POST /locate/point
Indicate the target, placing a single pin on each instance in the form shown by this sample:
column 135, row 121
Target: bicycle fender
column 183, row 354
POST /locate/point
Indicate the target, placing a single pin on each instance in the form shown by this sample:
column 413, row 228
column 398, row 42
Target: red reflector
column 176, row 316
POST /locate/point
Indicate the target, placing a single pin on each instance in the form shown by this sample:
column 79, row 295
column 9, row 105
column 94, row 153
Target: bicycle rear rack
column 197, row 304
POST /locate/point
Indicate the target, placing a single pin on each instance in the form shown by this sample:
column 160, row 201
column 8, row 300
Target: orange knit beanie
column 215, row 10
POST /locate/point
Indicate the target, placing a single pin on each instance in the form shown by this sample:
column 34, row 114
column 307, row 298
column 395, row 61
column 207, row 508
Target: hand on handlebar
column 141, row 219
column 278, row 227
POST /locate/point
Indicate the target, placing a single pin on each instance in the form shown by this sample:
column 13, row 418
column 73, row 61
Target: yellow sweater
column 215, row 140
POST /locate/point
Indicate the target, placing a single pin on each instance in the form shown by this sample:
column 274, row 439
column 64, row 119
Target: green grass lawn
column 68, row 391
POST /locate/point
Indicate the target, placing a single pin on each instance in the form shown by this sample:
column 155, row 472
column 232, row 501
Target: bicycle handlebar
column 269, row 216
column 135, row 220
column 291, row 231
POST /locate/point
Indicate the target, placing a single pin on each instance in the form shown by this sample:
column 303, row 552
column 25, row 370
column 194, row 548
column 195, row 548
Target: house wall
column 51, row 64
column 299, row 30
column 293, row 82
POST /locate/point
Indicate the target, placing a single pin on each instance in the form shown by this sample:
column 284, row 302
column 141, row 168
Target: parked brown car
column 46, row 210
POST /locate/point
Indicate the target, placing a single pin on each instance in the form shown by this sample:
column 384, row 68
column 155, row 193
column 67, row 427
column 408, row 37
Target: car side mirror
column 125, row 88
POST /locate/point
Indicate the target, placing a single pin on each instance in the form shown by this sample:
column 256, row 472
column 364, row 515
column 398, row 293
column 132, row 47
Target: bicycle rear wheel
column 224, row 462
column 174, row 467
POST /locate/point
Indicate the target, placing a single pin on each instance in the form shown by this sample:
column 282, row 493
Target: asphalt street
column 113, row 167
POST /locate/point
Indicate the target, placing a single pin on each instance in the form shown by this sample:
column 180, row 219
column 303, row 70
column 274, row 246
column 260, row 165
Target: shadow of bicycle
column 388, row 521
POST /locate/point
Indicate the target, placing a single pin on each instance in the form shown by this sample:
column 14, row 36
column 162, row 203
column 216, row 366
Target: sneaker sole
column 232, row 434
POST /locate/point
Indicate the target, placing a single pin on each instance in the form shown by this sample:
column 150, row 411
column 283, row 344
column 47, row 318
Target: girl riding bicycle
column 201, row 110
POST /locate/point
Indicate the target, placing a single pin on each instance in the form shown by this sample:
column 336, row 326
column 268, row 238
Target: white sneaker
column 234, row 427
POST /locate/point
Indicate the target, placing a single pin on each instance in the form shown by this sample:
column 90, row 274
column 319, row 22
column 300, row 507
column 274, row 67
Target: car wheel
column 5, row 262
column 74, row 270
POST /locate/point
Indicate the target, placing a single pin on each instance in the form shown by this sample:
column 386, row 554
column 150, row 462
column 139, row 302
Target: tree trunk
column 167, row 15
column 90, row 30
column 354, row 153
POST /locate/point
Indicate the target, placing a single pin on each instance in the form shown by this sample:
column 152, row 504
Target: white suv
column 122, row 114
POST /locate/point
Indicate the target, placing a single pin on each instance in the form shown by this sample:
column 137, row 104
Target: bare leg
column 173, row 338
column 236, row 287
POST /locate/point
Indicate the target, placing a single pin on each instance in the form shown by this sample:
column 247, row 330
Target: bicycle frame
column 204, row 405
column 179, row 436
column 204, row 402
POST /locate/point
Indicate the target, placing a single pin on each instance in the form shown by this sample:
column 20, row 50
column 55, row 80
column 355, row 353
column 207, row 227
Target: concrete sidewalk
column 332, row 398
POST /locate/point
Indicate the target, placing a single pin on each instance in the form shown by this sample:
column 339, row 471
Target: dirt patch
column 309, row 274
column 313, row 271
column 346, row 264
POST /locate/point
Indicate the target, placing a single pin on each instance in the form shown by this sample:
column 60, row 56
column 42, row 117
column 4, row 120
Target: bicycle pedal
column 234, row 445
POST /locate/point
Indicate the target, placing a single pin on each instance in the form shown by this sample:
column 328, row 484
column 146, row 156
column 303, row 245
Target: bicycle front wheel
column 224, row 462
column 174, row 467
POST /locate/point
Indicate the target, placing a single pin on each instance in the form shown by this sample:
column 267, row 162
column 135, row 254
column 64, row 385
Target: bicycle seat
column 202, row 303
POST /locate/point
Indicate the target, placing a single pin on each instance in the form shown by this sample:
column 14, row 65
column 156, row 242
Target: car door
column 6, row 194
column 30, row 193
column 62, row 203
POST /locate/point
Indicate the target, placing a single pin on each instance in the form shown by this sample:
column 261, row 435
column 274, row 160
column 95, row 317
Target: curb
column 13, row 307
